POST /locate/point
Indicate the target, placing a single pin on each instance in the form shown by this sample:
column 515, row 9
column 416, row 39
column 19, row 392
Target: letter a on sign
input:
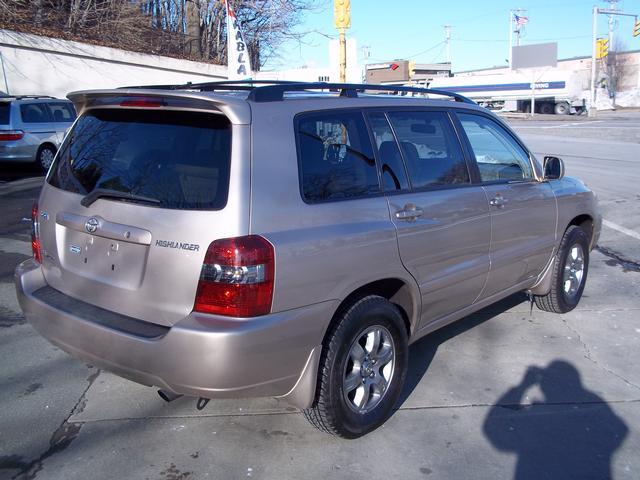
column 239, row 66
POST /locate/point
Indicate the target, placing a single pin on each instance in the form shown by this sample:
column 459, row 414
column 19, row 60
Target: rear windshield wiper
column 94, row 195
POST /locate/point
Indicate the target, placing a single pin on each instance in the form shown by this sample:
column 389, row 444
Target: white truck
column 556, row 91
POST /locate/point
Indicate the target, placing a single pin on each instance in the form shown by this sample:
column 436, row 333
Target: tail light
column 10, row 135
column 141, row 102
column 237, row 277
column 35, row 234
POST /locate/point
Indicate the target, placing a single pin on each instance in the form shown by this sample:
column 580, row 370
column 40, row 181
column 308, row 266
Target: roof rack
column 216, row 85
column 273, row 93
column 20, row 97
column 274, row 90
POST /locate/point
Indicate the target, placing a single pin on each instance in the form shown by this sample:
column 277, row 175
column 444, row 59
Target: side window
column 62, row 112
column 430, row 148
column 335, row 156
column 35, row 113
column 394, row 176
column 498, row 155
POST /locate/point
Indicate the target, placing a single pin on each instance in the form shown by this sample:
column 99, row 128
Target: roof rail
column 20, row 97
column 215, row 85
column 274, row 93
column 274, row 90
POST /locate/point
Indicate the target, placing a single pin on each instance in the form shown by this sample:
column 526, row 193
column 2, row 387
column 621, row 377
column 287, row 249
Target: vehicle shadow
column 572, row 433
column 422, row 353
column 15, row 171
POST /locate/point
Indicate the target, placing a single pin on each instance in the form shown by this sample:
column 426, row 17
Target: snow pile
column 628, row 98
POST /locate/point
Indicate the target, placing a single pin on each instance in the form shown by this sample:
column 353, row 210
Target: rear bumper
column 18, row 151
column 202, row 355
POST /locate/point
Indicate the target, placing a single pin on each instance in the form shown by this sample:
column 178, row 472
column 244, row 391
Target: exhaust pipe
column 168, row 396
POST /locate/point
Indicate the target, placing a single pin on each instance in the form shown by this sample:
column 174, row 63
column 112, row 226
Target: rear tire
column 45, row 156
column 360, row 378
column 562, row 108
column 570, row 268
column 546, row 108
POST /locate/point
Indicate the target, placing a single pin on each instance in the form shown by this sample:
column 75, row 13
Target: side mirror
column 553, row 168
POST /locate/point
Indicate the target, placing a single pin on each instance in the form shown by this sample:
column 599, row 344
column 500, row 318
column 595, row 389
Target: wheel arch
column 48, row 144
column 585, row 222
column 396, row 290
column 543, row 285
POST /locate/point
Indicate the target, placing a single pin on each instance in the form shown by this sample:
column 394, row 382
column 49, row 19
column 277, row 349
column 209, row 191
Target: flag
column 239, row 65
column 520, row 20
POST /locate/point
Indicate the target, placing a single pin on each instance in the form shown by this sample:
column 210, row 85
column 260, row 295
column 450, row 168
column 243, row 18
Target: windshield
column 180, row 159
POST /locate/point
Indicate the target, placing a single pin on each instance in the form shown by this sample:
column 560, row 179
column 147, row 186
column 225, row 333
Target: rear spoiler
column 237, row 110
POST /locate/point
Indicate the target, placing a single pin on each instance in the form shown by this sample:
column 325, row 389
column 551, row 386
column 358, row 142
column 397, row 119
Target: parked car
column 276, row 240
column 32, row 128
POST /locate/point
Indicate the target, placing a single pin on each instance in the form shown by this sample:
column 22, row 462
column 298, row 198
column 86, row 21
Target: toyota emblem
column 91, row 225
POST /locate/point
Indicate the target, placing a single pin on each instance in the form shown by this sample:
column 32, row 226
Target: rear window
column 431, row 150
column 180, row 159
column 5, row 110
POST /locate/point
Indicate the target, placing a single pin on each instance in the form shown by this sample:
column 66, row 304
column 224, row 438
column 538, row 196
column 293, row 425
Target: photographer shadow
column 573, row 433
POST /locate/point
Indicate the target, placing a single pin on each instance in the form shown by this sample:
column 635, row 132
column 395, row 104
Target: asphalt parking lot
column 504, row 393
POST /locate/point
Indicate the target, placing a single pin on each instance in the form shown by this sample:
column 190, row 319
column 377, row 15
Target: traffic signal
column 342, row 13
column 636, row 28
column 412, row 68
column 602, row 47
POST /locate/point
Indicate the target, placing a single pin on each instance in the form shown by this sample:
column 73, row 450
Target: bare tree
column 194, row 29
column 616, row 68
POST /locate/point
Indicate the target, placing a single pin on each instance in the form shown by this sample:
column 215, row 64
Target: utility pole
column 612, row 8
column 447, row 40
column 342, row 19
column 604, row 11
column 592, row 95
column 514, row 29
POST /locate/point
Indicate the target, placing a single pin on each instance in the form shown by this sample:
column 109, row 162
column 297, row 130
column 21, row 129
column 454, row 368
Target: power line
column 427, row 50
column 496, row 40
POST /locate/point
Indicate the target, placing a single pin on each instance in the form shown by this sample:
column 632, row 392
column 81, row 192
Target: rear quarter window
column 5, row 113
column 180, row 159
column 62, row 112
column 335, row 157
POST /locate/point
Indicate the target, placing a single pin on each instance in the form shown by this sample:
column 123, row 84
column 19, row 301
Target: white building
column 307, row 73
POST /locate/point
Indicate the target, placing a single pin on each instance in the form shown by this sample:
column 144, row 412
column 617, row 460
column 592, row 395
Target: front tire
column 570, row 268
column 362, row 369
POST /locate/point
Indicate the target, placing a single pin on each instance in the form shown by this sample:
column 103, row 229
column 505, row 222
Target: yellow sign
column 636, row 28
column 602, row 48
column 342, row 13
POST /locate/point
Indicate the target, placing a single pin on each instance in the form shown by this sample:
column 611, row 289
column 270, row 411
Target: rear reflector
column 237, row 277
column 141, row 102
column 35, row 234
column 10, row 135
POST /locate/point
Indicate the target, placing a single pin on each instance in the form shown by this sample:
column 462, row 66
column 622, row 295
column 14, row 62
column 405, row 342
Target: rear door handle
column 498, row 201
column 409, row 212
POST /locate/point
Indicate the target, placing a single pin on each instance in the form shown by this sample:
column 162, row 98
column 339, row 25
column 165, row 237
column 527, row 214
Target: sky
column 413, row 29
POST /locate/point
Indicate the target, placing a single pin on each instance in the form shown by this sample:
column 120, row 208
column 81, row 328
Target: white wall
column 32, row 65
column 303, row 74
